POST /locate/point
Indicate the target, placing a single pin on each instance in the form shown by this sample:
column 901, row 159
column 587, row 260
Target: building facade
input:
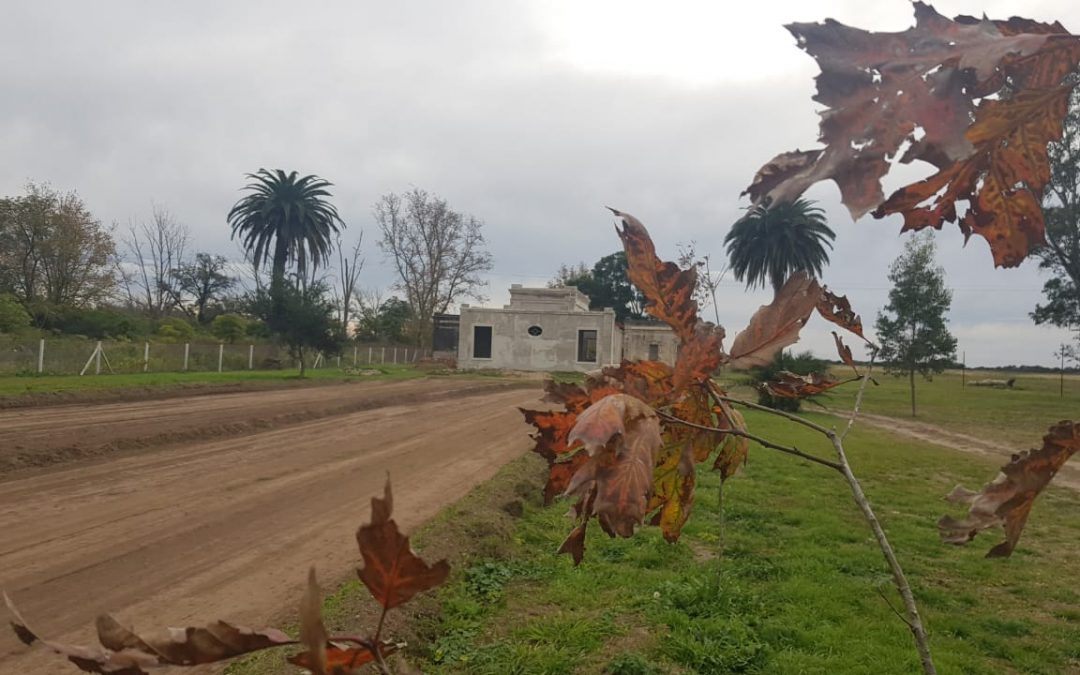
column 553, row 329
column 541, row 329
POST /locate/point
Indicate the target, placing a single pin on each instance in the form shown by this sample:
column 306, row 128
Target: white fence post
column 382, row 359
column 339, row 361
column 41, row 356
column 251, row 357
column 187, row 352
column 405, row 359
column 355, row 349
column 146, row 357
column 97, row 361
column 220, row 355
column 369, row 356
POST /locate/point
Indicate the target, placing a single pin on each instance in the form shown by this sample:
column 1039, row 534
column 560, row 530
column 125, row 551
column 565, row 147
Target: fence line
column 70, row 357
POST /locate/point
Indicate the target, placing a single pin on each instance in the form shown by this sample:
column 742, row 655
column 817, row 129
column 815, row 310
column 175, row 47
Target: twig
column 757, row 439
column 892, row 606
column 922, row 643
column 859, row 396
column 715, row 391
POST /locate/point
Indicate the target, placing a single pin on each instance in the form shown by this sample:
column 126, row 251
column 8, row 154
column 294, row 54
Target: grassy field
column 1017, row 416
column 19, row 385
column 798, row 589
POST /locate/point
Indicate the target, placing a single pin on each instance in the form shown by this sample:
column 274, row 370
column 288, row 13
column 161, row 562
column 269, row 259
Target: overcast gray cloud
column 532, row 116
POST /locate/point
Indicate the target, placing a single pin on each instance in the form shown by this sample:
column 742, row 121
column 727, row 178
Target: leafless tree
column 438, row 254
column 155, row 250
column 346, row 292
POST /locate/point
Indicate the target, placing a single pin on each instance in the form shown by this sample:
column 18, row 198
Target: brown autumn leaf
column 615, row 484
column 776, row 325
column 733, row 450
column 1007, row 500
column 668, row 290
column 392, row 572
column 844, row 352
column 192, row 645
column 650, row 381
column 921, row 89
column 698, row 357
column 674, row 478
column 837, row 309
column 789, row 385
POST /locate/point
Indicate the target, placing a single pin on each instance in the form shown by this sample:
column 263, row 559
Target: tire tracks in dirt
column 226, row 528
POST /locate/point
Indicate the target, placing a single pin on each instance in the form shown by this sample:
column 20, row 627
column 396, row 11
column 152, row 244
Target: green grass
column 1019, row 416
column 19, row 385
column 796, row 590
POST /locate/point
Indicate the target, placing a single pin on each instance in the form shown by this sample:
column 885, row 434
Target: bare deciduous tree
column 349, row 267
column 438, row 253
column 155, row 250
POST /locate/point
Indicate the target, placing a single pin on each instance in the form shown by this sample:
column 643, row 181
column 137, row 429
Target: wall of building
column 637, row 339
column 555, row 348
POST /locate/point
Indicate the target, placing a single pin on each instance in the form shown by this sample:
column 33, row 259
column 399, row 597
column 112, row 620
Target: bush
column 174, row 329
column 229, row 327
column 801, row 364
column 97, row 323
column 12, row 315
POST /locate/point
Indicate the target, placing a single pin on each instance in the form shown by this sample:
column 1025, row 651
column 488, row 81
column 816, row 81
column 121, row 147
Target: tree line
column 62, row 271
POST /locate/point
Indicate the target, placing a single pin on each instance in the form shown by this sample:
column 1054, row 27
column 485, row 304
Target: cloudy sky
column 530, row 115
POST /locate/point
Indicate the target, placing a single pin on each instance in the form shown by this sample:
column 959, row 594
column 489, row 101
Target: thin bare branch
column 719, row 395
column 757, row 439
column 858, row 397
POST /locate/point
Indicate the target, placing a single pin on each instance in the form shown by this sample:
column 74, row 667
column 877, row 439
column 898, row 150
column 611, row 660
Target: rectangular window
column 481, row 345
column 654, row 352
column 586, row 346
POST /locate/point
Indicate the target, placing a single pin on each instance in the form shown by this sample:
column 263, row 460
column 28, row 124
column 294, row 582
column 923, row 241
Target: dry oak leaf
column 733, row 450
column 392, row 572
column 844, row 352
column 1007, row 500
column 776, row 325
column 837, row 309
column 921, row 88
column 668, row 290
column 125, row 653
column 790, row 385
column 622, row 435
column 674, row 478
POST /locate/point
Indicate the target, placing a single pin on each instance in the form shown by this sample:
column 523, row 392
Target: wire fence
column 61, row 356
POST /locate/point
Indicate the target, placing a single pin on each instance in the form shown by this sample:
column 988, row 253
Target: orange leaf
column 668, row 290
column 844, row 352
column 776, row 325
column 734, row 449
column 392, row 572
column 1007, row 500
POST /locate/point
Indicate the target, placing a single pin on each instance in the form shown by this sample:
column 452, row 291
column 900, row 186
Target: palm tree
column 285, row 218
column 773, row 241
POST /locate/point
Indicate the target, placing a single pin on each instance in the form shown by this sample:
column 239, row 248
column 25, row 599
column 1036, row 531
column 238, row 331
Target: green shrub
column 97, row 323
column 12, row 315
column 174, row 329
column 229, row 327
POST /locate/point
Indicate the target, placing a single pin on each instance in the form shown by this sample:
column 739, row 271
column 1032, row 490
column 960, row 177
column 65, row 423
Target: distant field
column 1019, row 416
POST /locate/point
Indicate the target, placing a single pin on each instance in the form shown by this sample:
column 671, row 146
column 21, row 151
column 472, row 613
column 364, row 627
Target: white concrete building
column 553, row 329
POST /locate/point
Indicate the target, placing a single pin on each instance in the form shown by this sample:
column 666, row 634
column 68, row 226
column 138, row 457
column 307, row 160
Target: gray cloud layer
column 130, row 102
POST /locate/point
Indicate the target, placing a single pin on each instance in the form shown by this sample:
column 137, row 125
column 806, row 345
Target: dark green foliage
column 98, row 323
column 1061, row 210
column 13, row 316
column 387, row 321
column 607, row 285
column 803, row 363
column 285, row 218
column 205, row 281
column 303, row 319
column 772, row 241
column 912, row 331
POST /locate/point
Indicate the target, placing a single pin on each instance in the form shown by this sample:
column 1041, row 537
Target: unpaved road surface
column 185, row 532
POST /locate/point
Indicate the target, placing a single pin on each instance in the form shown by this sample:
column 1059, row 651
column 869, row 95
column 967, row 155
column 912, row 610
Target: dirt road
column 186, row 532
